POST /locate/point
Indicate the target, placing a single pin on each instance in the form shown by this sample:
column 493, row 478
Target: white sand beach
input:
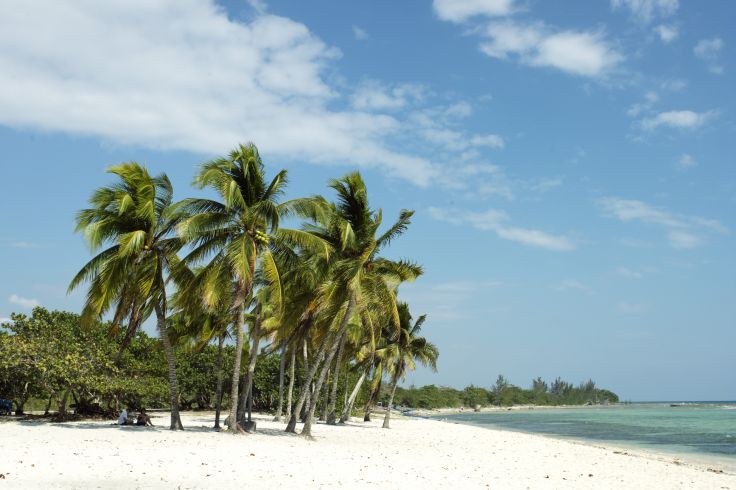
column 414, row 453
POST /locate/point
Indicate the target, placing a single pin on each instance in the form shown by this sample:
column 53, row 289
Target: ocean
column 705, row 429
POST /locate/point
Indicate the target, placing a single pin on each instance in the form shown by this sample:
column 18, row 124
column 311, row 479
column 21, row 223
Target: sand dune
column 412, row 454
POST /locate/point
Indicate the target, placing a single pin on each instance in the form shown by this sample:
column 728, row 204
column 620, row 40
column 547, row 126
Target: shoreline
column 684, row 456
column 701, row 461
column 414, row 452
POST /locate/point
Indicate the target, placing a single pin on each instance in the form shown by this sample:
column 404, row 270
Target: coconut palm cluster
column 212, row 269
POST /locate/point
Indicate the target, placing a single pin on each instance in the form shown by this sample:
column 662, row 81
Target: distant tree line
column 503, row 393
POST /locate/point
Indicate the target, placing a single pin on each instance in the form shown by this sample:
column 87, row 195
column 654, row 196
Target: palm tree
column 300, row 277
column 263, row 316
column 234, row 234
column 404, row 350
column 358, row 278
column 196, row 324
column 365, row 357
column 136, row 218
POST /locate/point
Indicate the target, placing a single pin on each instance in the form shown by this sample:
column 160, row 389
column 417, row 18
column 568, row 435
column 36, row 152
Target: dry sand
column 414, row 453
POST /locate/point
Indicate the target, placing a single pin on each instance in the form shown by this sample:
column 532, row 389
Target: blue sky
column 570, row 164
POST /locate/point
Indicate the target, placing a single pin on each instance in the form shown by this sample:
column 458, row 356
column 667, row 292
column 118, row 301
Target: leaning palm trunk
column 331, row 418
column 387, row 417
column 372, row 400
column 306, row 385
column 173, row 386
column 347, row 386
column 133, row 324
column 307, row 429
column 323, row 398
column 305, row 352
column 220, row 380
column 232, row 417
column 353, row 395
column 290, row 392
column 282, row 368
column 248, row 385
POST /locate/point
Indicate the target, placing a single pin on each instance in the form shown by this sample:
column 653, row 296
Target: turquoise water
column 708, row 429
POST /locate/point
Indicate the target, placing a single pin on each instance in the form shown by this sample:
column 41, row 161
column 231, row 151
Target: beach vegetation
column 296, row 316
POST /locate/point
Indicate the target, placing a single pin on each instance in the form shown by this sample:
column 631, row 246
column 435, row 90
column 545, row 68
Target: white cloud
column 686, row 161
column 481, row 180
column 498, row 222
column 673, row 85
column 28, row 245
column 632, row 308
column 5, row 320
column 448, row 301
column 475, row 169
column 646, row 10
column 489, row 140
column 709, row 50
column 459, row 110
column 458, row 141
column 629, row 273
column 579, row 53
column 572, row 285
column 181, row 74
column 465, row 168
column 633, row 210
column 258, row 5
column 650, row 98
column 23, row 302
column 685, row 119
column 536, row 238
column 462, row 10
column 667, row 33
column 683, row 239
column 372, row 95
column 465, row 286
column 682, row 231
column 360, row 33
column 546, row 184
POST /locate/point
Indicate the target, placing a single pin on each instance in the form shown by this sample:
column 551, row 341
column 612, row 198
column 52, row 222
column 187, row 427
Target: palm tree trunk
column 173, row 386
column 290, row 392
column 282, row 368
column 133, row 324
column 291, row 426
column 233, row 416
column 250, row 402
column 353, row 395
column 373, row 396
column 220, row 380
column 347, row 385
column 307, row 429
column 305, row 352
column 323, row 398
column 331, row 418
column 387, row 417
column 248, row 385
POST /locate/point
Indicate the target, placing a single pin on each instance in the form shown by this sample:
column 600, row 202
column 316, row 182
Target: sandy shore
column 414, row 453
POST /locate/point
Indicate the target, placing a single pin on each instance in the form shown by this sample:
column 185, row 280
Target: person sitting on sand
column 144, row 419
column 123, row 418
